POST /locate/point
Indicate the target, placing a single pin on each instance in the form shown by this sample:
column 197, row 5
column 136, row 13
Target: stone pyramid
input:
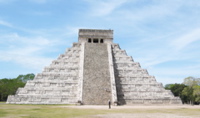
column 93, row 71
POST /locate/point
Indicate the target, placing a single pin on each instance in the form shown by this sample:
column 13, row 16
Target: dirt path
column 146, row 115
column 136, row 107
column 166, row 111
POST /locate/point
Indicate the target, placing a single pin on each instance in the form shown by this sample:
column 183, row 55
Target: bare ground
column 145, row 115
column 136, row 107
column 161, row 111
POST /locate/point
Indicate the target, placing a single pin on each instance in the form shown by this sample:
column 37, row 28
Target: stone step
column 96, row 75
column 133, row 82
column 38, row 99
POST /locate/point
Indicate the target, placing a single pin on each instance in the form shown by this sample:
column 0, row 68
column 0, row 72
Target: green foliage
column 10, row 86
column 193, row 90
column 177, row 89
column 189, row 91
column 25, row 78
column 191, row 81
column 188, row 95
column 169, row 86
column 196, row 93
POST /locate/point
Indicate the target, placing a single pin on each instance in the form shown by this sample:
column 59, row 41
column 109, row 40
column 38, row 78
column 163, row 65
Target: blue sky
column 163, row 35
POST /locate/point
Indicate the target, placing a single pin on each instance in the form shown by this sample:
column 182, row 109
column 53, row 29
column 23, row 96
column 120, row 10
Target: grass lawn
column 58, row 111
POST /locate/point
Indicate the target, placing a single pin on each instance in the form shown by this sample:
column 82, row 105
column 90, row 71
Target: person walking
column 109, row 104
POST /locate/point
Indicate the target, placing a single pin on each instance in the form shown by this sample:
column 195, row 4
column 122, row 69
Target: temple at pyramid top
column 95, row 36
column 94, row 71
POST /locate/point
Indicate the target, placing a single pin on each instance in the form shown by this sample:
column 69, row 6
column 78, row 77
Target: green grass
column 2, row 113
column 43, row 111
column 56, row 111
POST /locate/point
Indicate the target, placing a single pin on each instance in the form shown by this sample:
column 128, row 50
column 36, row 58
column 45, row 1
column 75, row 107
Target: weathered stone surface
column 96, row 83
column 57, row 84
column 93, row 71
column 135, row 85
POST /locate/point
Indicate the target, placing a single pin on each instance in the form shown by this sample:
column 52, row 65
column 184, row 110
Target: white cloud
column 32, row 51
column 4, row 23
column 39, row 1
column 155, row 10
column 35, row 49
column 185, row 39
column 26, row 57
column 14, row 38
column 6, row 1
column 26, row 51
column 174, row 75
column 154, row 28
column 104, row 7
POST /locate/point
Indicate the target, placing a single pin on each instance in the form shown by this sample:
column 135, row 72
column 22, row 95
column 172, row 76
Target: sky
column 162, row 35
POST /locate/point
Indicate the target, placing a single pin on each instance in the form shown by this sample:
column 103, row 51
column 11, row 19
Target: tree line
column 10, row 86
column 188, row 91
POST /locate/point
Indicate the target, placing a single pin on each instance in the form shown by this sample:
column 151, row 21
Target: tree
column 10, row 86
column 169, row 86
column 26, row 77
column 188, row 95
column 196, row 94
column 192, row 91
column 191, row 81
column 176, row 89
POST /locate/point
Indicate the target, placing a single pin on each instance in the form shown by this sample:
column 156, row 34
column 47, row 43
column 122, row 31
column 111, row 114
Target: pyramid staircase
column 93, row 71
column 135, row 85
column 96, row 75
column 57, row 84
